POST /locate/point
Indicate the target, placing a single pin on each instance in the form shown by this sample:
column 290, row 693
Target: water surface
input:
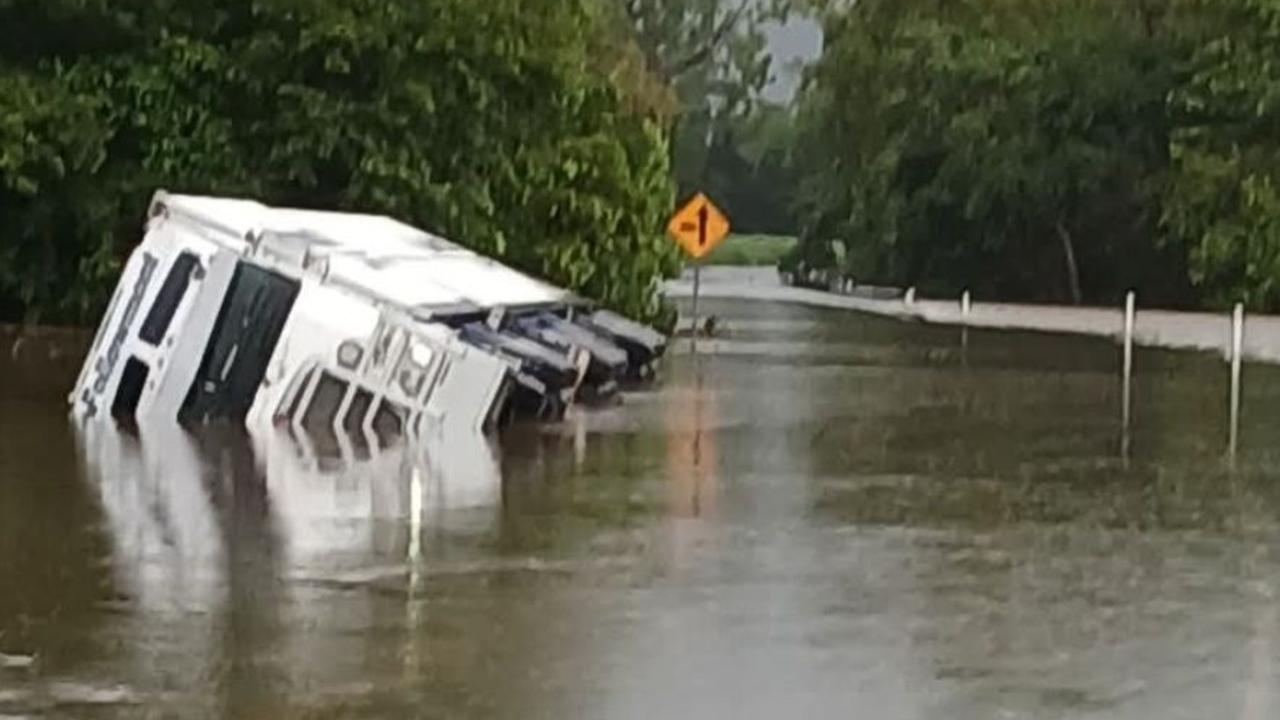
column 823, row 515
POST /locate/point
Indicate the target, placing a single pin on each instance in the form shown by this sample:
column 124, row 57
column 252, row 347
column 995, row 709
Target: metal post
column 1130, row 311
column 1237, row 367
column 416, row 511
column 579, row 440
column 966, row 305
column 697, row 289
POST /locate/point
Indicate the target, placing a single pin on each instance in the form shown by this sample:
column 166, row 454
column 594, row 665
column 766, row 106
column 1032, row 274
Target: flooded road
column 825, row 515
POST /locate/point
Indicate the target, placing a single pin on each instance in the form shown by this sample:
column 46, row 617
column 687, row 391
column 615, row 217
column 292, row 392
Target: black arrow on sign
column 702, row 227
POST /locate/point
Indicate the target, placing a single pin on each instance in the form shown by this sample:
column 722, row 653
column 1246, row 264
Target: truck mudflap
column 642, row 344
column 607, row 363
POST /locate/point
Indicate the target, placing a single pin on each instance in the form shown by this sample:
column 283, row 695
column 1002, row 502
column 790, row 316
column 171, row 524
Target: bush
column 482, row 121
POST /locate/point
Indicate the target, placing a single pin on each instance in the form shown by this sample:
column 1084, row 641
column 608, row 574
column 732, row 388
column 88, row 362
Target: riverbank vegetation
column 1061, row 152
column 751, row 250
column 539, row 137
column 1064, row 151
column 557, row 139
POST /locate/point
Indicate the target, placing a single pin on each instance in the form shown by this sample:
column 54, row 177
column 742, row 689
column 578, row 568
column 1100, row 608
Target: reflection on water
column 824, row 514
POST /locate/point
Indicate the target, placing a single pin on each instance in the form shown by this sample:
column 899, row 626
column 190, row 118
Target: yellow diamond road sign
column 699, row 227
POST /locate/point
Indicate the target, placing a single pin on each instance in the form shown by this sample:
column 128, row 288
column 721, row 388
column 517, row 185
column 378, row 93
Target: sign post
column 697, row 290
column 698, row 227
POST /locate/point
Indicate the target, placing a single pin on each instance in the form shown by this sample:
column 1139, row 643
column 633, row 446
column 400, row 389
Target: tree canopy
column 728, row 141
column 522, row 134
column 1064, row 151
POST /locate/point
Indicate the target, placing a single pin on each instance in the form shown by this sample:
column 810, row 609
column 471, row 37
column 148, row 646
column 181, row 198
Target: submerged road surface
column 824, row 515
column 1153, row 328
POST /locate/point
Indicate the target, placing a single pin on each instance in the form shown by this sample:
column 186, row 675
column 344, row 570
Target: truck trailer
column 349, row 329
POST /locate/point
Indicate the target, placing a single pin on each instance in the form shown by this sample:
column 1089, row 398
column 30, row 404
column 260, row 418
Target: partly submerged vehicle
column 350, row 329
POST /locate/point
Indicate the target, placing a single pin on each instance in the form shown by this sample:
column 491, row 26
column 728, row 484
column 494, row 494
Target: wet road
column 1202, row 331
column 827, row 515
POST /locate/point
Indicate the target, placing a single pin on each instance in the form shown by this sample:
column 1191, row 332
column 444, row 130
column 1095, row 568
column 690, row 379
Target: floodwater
column 825, row 515
column 1155, row 328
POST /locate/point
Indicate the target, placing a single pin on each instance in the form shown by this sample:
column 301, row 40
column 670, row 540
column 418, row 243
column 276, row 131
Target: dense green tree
column 1062, row 151
column 712, row 56
column 1011, row 147
column 749, row 169
column 518, row 133
column 52, row 258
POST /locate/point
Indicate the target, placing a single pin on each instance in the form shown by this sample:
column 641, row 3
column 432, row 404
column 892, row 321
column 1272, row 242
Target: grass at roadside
column 751, row 250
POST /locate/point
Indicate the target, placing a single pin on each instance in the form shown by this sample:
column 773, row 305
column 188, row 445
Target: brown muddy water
column 826, row 515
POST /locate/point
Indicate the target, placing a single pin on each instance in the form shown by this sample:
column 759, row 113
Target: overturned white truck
column 355, row 328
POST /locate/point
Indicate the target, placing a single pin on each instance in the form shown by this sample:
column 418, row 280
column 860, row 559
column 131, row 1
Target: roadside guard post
column 698, row 227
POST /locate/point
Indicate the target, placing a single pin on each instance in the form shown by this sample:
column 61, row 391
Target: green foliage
column 51, row 140
column 1050, row 151
column 1223, row 202
column 712, row 55
column 1013, row 147
column 506, row 129
column 760, row 250
column 749, row 169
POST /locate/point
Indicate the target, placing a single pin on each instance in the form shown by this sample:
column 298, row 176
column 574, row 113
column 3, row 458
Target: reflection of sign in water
column 691, row 452
column 699, row 227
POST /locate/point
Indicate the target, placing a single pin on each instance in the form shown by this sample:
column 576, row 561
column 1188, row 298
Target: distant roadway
column 1153, row 328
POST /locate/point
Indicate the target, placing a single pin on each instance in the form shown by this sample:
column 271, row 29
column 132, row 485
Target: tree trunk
column 1073, row 271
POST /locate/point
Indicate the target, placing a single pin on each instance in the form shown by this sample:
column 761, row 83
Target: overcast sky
column 798, row 41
